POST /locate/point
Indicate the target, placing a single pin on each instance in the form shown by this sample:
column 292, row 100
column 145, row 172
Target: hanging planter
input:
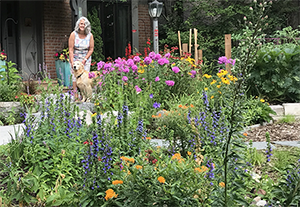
column 63, row 69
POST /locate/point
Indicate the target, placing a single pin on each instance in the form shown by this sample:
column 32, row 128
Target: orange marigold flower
column 202, row 169
column 192, row 105
column 153, row 116
column 116, row 182
column 222, row 184
column 189, row 153
column 198, row 169
column 184, row 107
column 148, row 138
column 245, row 134
column 161, row 179
column 139, row 167
column 176, row 156
column 110, row 193
column 180, row 106
column 159, row 115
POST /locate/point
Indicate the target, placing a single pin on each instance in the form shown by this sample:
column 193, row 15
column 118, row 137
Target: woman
column 81, row 46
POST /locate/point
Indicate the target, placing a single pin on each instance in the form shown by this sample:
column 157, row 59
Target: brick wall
column 145, row 25
column 57, row 27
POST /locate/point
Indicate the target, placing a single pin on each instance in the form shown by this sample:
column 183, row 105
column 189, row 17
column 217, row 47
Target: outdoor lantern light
column 155, row 9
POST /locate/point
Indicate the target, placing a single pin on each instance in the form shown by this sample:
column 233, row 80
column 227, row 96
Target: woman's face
column 81, row 25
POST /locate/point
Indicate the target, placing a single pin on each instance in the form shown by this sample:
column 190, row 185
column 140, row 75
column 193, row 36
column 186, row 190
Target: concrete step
column 286, row 109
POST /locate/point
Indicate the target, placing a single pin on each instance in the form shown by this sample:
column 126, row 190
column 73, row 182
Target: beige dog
column 83, row 82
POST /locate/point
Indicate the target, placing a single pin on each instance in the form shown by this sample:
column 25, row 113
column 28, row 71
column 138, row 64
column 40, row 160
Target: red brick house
column 32, row 31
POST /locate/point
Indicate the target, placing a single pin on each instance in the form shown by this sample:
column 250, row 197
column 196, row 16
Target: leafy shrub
column 257, row 111
column 276, row 73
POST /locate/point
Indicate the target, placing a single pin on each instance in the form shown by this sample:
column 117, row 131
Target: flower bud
column 260, row 5
column 254, row 1
column 266, row 17
column 251, row 9
column 245, row 18
column 270, row 2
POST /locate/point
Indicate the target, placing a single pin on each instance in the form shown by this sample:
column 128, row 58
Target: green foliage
column 214, row 19
column 257, row 111
column 255, row 157
column 169, row 181
column 9, row 82
column 97, row 55
column 8, row 92
column 287, row 192
column 276, row 73
column 11, row 117
column 287, row 119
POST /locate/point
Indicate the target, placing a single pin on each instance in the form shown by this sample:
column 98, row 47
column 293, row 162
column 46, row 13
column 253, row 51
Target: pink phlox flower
column 152, row 55
column 157, row 57
column 167, row 55
column 232, row 62
column 134, row 68
column 138, row 90
column 100, row 65
column 163, row 61
column 193, row 72
column 124, row 78
column 222, row 60
column 126, row 69
column 136, row 59
column 92, row 75
column 130, row 62
column 175, row 69
column 107, row 66
column 147, row 60
column 170, row 82
column 156, row 79
column 101, row 83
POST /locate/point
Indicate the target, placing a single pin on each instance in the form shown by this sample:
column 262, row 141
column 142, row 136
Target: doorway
column 115, row 18
column 9, row 29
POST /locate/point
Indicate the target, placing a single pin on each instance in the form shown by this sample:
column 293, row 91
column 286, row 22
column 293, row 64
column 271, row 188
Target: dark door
column 9, row 29
column 115, row 18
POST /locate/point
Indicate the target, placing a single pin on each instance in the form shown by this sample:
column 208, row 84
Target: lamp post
column 155, row 9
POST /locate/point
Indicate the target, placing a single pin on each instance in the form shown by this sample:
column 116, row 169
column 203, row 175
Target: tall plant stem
column 234, row 109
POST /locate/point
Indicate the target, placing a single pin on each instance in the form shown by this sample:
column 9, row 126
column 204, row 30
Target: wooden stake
column 200, row 54
column 179, row 40
column 184, row 48
column 228, row 50
column 196, row 45
column 190, row 42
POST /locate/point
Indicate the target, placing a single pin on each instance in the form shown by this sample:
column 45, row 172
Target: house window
column 115, row 18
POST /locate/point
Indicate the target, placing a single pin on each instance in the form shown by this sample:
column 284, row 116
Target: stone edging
column 286, row 109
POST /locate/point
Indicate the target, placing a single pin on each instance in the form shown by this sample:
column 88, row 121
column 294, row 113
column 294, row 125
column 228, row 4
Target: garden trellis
column 198, row 53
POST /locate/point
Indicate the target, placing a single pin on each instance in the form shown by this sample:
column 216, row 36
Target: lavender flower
column 156, row 105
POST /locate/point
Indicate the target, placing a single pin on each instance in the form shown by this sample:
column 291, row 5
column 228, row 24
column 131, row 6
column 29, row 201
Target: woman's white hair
column 87, row 28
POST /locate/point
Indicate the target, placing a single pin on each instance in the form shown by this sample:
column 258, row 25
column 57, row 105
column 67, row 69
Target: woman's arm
column 71, row 48
column 91, row 49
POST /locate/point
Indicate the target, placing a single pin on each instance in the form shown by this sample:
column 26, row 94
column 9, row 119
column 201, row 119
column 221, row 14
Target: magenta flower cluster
column 224, row 60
